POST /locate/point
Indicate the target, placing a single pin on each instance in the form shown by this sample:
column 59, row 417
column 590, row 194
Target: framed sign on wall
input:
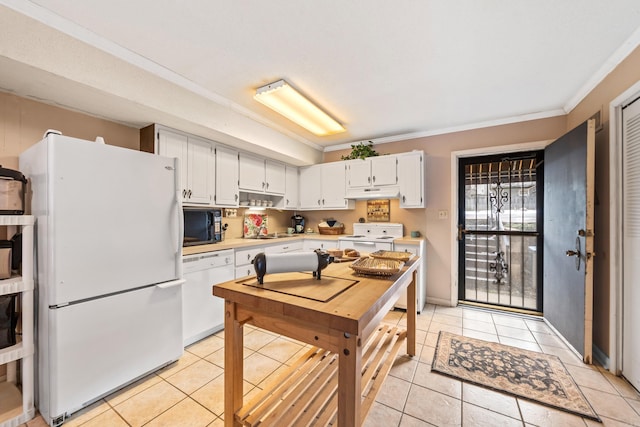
column 378, row 210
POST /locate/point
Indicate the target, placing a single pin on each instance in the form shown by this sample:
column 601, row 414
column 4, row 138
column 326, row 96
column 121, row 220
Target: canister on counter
column 12, row 188
column 5, row 259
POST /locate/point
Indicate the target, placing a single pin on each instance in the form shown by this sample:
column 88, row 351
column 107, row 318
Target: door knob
column 576, row 253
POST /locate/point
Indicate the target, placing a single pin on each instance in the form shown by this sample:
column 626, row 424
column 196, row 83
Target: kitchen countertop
column 246, row 243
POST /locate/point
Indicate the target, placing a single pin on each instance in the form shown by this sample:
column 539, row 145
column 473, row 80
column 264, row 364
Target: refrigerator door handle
column 180, row 215
column 171, row 283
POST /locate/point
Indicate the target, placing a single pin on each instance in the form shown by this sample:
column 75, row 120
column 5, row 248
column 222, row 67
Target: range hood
column 371, row 193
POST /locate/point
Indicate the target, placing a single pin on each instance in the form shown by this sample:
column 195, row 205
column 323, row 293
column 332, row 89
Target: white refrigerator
column 109, row 268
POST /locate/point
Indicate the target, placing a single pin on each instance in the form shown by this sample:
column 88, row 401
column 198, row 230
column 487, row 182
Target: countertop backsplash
column 412, row 219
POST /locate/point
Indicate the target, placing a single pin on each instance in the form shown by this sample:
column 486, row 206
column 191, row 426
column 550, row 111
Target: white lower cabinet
column 243, row 261
column 421, row 285
column 284, row 248
column 313, row 244
column 365, row 247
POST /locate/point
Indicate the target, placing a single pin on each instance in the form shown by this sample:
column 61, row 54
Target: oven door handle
column 365, row 243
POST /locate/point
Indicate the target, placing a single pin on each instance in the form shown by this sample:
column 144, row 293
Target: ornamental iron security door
column 500, row 230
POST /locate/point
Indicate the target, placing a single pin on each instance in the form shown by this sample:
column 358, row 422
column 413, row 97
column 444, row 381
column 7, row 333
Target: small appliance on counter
column 12, row 189
column 297, row 222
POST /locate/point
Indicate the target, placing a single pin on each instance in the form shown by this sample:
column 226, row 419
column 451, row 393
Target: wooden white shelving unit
column 17, row 394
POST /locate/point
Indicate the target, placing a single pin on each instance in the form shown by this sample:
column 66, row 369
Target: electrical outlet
column 443, row 214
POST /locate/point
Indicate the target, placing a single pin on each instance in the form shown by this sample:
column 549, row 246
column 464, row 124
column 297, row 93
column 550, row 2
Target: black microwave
column 202, row 226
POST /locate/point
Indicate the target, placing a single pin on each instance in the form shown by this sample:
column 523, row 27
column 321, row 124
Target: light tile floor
column 190, row 391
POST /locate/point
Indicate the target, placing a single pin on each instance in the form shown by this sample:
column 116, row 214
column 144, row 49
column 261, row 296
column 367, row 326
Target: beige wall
column 438, row 151
column 24, row 121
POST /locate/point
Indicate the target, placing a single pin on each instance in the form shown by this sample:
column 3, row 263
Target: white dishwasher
column 203, row 313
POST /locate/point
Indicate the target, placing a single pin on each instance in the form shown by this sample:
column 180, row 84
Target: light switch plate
column 443, row 214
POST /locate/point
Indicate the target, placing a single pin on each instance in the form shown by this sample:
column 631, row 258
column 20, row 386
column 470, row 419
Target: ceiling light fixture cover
column 281, row 97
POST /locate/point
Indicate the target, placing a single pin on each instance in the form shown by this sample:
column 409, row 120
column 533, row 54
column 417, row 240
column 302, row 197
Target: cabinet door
column 359, row 173
column 291, row 188
column 200, row 176
column 171, row 144
column 383, row 170
column 313, row 244
column 251, row 173
column 310, row 187
column 334, row 188
column 226, row 177
column 410, row 178
column 275, row 178
column 400, row 247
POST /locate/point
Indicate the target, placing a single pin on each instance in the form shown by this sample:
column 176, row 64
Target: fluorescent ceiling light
column 284, row 99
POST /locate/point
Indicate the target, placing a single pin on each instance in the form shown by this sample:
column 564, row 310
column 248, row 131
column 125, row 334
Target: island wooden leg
column 349, row 383
column 411, row 316
column 233, row 364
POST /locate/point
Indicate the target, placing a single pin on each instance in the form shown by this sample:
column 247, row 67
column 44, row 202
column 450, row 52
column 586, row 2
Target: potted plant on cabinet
column 361, row 151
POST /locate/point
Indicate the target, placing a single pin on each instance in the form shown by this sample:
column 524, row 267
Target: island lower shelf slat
column 306, row 394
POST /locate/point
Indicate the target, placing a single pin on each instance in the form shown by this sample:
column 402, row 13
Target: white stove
column 371, row 237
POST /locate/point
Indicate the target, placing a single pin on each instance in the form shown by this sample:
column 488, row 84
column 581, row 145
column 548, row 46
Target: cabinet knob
column 267, row 185
column 184, row 193
column 323, row 201
column 369, row 179
column 319, row 202
column 235, row 197
column 404, row 199
column 263, row 185
column 189, row 192
column 374, row 179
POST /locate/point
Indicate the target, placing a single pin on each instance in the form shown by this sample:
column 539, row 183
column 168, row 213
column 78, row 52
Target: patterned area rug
column 527, row 374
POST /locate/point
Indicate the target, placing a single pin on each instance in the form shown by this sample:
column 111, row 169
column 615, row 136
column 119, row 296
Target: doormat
column 527, row 374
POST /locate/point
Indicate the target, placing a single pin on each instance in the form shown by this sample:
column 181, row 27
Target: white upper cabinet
column 310, row 187
column 196, row 164
column 226, row 177
column 291, row 195
column 322, row 186
column 372, row 171
column 258, row 175
column 275, row 177
column 201, row 175
column 411, row 179
column 251, row 173
column 333, row 177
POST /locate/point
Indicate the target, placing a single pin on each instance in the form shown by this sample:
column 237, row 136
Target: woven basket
column 376, row 266
column 330, row 230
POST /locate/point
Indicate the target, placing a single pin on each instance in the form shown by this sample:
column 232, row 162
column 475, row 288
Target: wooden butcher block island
column 335, row 382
